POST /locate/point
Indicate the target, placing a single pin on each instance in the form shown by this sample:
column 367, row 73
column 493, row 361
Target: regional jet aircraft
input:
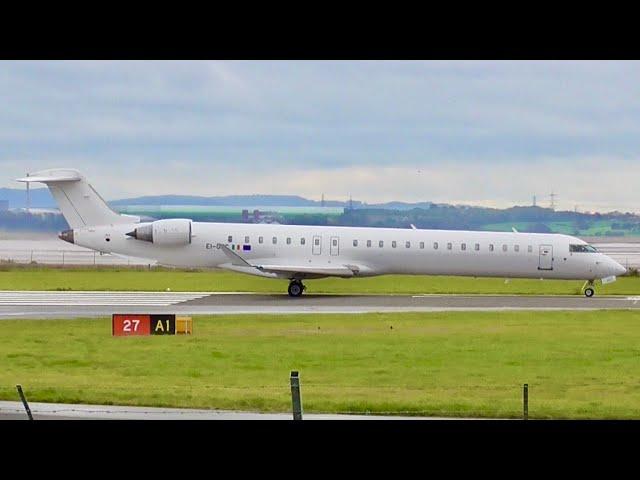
column 297, row 253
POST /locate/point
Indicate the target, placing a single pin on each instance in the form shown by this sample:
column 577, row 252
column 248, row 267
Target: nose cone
column 611, row 267
column 618, row 269
column 67, row 236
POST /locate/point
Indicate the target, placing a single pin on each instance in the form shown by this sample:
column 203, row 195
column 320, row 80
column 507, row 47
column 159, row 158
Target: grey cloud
column 283, row 119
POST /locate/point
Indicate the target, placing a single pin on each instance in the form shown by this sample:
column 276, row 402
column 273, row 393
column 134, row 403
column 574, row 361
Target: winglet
column 514, row 230
column 236, row 259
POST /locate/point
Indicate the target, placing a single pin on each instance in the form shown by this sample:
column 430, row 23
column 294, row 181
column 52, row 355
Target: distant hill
column 41, row 198
column 229, row 200
column 17, row 197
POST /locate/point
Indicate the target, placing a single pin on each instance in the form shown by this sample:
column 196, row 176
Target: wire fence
column 70, row 257
column 627, row 255
column 465, row 400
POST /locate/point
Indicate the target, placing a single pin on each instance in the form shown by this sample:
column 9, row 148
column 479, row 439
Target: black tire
column 588, row 292
column 295, row 289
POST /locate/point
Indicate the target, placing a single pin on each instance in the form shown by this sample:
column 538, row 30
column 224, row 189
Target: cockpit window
column 582, row 248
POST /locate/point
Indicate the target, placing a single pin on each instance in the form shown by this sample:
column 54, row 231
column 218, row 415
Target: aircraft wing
column 334, row 271
column 239, row 264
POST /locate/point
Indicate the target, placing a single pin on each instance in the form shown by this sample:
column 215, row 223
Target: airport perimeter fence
column 69, row 258
column 496, row 401
column 628, row 255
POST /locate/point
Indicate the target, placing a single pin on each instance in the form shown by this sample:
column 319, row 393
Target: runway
column 16, row 304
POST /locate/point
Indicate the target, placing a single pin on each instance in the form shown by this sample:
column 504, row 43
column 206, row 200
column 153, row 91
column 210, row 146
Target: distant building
column 259, row 217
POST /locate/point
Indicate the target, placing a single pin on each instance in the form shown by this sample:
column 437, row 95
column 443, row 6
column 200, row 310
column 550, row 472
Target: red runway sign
column 123, row 325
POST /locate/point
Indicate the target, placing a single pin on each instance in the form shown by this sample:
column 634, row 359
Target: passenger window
column 530, row 249
column 317, row 241
column 355, row 243
column 449, row 246
column 394, row 244
column 274, row 240
column 504, row 248
column 381, row 244
column 407, row 245
column 435, row 245
column 516, row 248
column 288, row 240
column 368, row 243
column 260, row 239
column 230, row 239
column 463, row 246
column 335, row 242
column 491, row 247
column 422, row 245
column 246, row 239
column 477, row 247
column 302, row 241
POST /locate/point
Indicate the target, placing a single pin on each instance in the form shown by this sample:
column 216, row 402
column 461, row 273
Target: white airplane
column 297, row 253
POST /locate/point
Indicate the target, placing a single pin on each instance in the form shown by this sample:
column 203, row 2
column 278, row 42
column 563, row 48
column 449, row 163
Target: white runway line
column 159, row 299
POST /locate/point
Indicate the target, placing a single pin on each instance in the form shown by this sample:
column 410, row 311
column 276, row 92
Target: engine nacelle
column 169, row 232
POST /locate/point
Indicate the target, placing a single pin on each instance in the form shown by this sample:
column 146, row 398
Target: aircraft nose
column 618, row 269
column 611, row 267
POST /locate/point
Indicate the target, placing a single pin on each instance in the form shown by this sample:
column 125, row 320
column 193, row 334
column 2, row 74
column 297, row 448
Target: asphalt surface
column 94, row 304
column 61, row 411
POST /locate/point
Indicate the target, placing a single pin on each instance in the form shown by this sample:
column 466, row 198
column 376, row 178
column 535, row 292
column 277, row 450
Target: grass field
column 577, row 364
column 32, row 278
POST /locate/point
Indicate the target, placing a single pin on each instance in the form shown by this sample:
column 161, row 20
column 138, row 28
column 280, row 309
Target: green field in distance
column 161, row 279
column 577, row 364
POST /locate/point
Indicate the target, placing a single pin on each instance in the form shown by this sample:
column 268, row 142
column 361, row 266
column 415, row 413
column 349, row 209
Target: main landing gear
column 589, row 291
column 296, row 288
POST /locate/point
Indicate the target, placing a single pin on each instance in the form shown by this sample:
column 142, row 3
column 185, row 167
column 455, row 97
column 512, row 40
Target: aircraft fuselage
column 376, row 251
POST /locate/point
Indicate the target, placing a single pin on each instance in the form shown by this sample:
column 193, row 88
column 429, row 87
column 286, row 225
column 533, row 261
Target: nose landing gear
column 296, row 288
column 588, row 291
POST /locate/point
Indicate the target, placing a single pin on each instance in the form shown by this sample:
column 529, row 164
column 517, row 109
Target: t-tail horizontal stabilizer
column 80, row 204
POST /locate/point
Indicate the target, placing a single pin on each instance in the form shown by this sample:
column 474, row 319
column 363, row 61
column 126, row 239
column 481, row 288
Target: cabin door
column 545, row 261
column 335, row 246
column 317, row 245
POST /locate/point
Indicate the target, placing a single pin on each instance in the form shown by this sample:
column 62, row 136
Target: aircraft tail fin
column 80, row 204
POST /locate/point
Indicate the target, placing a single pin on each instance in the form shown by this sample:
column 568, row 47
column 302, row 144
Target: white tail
column 80, row 204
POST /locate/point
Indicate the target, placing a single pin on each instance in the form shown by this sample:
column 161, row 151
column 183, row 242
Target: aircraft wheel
column 588, row 292
column 295, row 288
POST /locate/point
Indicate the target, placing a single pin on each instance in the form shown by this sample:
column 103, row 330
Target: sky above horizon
column 491, row 133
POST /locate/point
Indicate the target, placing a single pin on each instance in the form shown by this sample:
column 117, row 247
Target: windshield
column 582, row 248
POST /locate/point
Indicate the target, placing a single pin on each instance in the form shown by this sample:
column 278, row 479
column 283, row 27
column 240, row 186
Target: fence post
column 24, row 402
column 525, row 401
column 295, row 395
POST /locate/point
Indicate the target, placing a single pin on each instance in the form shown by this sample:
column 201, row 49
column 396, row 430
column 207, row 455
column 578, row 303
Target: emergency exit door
column 545, row 261
column 317, row 245
column 335, row 246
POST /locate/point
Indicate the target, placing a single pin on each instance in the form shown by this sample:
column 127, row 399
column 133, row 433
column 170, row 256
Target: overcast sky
column 481, row 133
